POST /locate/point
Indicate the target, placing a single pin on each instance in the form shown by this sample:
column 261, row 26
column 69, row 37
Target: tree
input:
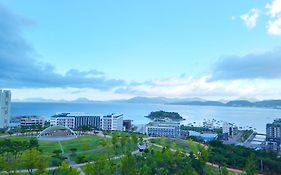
column 134, row 138
column 2, row 163
column 9, row 163
column 196, row 164
column 105, row 145
column 73, row 151
column 128, row 165
column 57, row 152
column 145, row 170
column 123, row 139
column 33, row 143
column 114, row 139
column 81, row 159
column 65, row 169
column 42, row 165
column 250, row 167
column 203, row 155
column 32, row 159
column 224, row 171
column 102, row 166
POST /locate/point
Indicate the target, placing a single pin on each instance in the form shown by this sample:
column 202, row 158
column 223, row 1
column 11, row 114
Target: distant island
column 163, row 115
column 276, row 104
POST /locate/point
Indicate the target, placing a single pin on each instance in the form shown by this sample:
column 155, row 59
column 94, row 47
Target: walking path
column 62, row 151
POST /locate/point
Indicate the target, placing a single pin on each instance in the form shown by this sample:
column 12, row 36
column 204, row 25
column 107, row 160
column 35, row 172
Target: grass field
column 182, row 145
column 88, row 146
column 91, row 149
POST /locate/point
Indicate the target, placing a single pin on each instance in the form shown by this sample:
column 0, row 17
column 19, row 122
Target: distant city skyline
column 106, row 50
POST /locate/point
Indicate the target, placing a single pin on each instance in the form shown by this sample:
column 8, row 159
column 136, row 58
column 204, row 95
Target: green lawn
column 91, row 148
column 179, row 144
column 83, row 143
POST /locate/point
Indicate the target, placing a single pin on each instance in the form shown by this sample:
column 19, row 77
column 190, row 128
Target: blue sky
column 120, row 49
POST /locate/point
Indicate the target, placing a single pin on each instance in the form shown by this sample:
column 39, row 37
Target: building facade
column 166, row 127
column 5, row 108
column 127, row 124
column 112, row 122
column 273, row 135
column 229, row 129
column 32, row 120
column 75, row 120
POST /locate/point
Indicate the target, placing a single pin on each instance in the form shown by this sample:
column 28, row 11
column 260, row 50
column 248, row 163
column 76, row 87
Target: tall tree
column 128, row 165
column 134, row 138
column 250, row 167
column 114, row 139
column 123, row 139
column 32, row 159
column 65, row 169
column 102, row 166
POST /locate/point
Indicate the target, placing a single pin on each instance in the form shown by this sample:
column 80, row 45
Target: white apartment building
column 166, row 127
column 5, row 108
column 31, row 120
column 63, row 120
column 112, row 122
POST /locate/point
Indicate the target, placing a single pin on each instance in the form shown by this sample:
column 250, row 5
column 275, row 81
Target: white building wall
column 113, row 123
column 117, row 124
column 5, row 108
column 63, row 121
column 227, row 128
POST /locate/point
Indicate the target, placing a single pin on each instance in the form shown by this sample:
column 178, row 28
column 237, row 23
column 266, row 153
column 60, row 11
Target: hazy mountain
column 239, row 103
column 200, row 103
column 172, row 101
column 159, row 100
column 234, row 103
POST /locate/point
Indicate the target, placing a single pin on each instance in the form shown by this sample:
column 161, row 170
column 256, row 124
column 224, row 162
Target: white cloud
column 274, row 8
column 274, row 27
column 66, row 94
column 182, row 87
column 250, row 18
column 178, row 87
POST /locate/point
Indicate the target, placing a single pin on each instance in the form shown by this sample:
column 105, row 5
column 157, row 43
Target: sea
column 255, row 118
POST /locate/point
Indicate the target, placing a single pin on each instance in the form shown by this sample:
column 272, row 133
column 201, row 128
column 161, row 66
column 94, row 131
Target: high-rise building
column 273, row 134
column 5, row 108
column 227, row 128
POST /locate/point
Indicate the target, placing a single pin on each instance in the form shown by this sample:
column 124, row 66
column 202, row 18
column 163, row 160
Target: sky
column 105, row 50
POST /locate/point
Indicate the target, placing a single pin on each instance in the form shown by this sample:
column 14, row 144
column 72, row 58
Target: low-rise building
column 112, row 122
column 127, row 124
column 32, row 120
column 165, row 127
column 75, row 120
column 207, row 137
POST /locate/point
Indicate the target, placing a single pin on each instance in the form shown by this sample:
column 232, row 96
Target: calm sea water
column 254, row 117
